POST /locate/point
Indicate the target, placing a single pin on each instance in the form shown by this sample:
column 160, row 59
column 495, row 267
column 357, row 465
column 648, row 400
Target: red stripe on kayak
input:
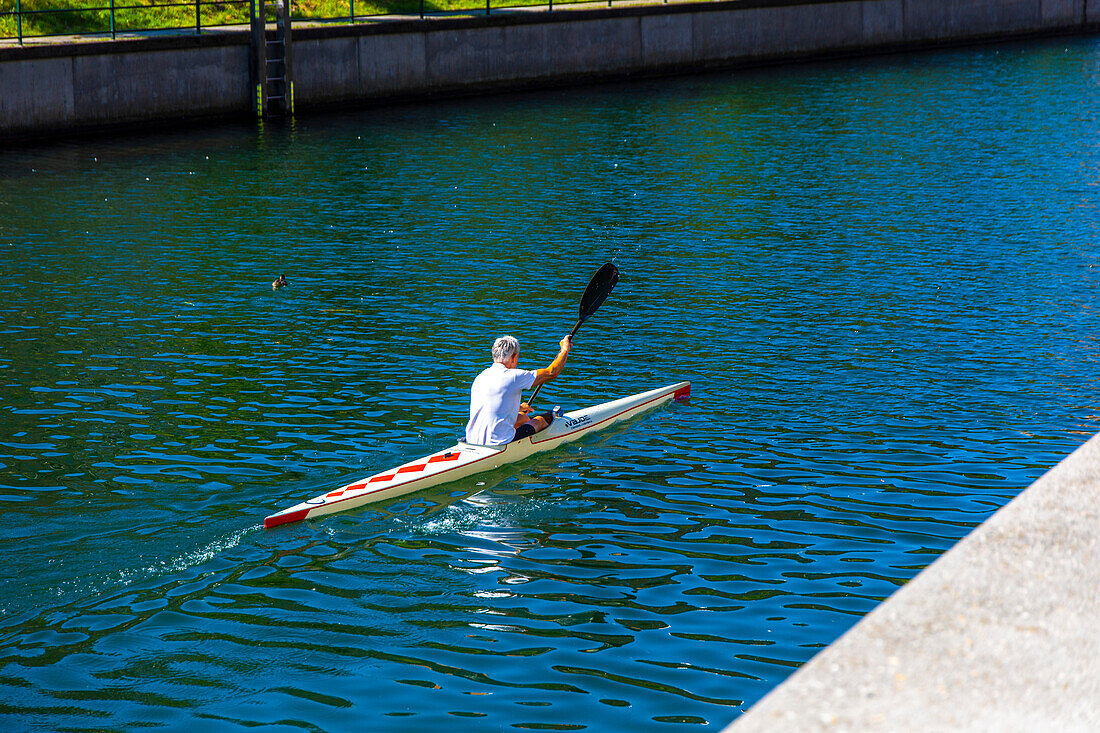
column 683, row 393
column 276, row 519
column 413, row 469
column 445, row 457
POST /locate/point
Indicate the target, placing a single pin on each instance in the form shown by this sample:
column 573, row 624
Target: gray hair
column 504, row 348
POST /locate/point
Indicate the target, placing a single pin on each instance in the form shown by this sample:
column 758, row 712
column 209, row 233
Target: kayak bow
column 466, row 459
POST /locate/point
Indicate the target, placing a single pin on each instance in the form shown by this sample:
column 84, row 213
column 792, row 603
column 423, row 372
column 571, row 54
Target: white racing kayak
column 466, row 459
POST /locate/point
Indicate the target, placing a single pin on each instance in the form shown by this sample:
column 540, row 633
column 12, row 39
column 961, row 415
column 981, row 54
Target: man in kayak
column 497, row 415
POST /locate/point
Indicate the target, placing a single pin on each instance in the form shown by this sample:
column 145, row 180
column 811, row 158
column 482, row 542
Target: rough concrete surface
column 1002, row 633
column 36, row 91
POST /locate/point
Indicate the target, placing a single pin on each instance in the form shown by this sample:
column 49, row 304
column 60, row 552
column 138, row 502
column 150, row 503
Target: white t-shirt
column 494, row 404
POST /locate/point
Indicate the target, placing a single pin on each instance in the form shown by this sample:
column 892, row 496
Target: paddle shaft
column 571, row 335
column 599, row 287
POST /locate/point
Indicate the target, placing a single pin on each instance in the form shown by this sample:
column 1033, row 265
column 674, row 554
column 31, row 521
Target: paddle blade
column 599, row 287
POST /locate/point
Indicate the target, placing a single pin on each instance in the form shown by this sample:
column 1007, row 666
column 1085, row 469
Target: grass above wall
column 84, row 17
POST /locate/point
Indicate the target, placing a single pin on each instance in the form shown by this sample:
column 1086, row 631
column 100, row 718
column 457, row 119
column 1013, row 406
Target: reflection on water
column 880, row 277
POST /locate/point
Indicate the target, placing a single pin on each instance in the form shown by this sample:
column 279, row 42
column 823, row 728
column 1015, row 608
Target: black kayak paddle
column 599, row 287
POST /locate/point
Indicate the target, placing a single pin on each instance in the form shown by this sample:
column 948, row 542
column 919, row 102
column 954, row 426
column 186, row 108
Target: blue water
column 880, row 276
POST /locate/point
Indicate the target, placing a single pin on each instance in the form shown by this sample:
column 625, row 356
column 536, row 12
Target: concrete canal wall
column 60, row 87
column 1002, row 633
column 74, row 86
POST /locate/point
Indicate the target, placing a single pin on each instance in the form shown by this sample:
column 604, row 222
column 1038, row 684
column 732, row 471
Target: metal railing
column 74, row 18
column 115, row 18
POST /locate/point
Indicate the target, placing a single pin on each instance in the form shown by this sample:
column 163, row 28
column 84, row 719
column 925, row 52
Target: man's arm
column 545, row 375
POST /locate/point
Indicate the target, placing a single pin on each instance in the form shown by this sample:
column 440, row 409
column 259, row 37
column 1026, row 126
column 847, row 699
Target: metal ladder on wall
column 271, row 67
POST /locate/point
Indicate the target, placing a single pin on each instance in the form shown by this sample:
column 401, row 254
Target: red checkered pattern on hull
column 415, row 468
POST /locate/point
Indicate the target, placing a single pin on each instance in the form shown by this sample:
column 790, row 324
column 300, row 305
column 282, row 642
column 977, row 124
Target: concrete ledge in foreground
column 1002, row 633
